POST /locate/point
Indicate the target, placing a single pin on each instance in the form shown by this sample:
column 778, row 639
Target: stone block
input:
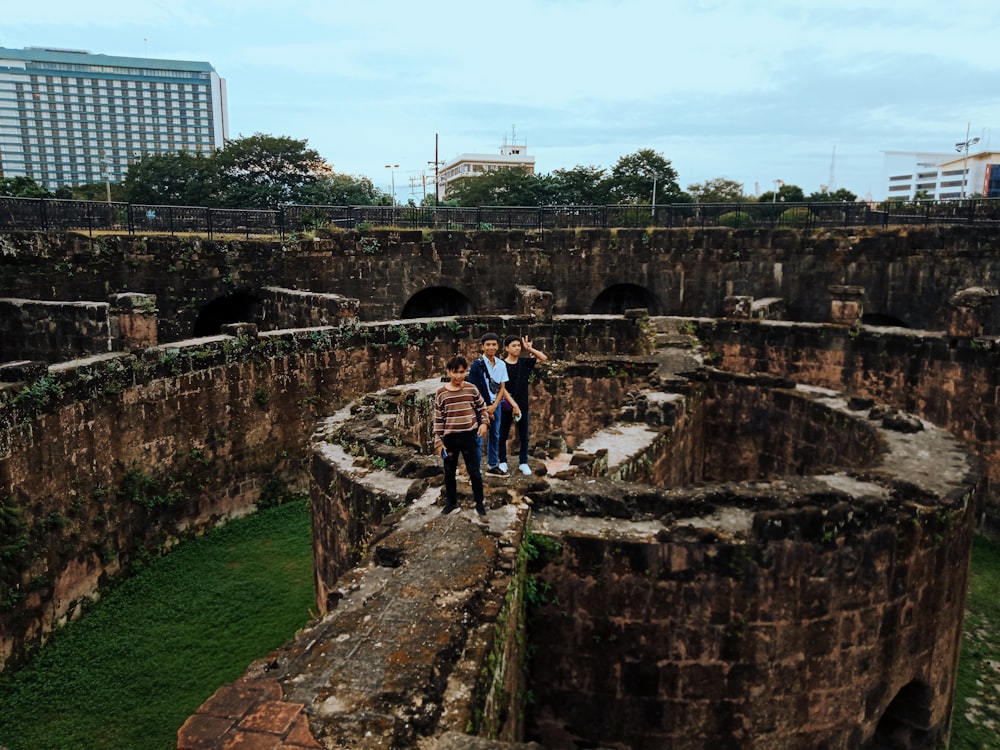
column 24, row 371
column 846, row 304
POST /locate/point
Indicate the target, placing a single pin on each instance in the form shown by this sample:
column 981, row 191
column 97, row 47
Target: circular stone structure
column 732, row 561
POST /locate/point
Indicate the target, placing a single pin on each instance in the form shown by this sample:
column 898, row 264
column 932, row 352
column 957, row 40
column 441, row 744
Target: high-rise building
column 70, row 117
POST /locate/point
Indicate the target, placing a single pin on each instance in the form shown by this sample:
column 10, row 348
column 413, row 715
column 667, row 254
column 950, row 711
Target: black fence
column 291, row 221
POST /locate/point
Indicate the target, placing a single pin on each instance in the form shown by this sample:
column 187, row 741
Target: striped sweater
column 457, row 411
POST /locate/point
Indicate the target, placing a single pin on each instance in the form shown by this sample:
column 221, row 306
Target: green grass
column 142, row 660
column 977, row 694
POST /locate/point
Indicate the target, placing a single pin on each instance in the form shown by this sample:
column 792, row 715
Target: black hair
column 458, row 362
column 510, row 340
column 489, row 337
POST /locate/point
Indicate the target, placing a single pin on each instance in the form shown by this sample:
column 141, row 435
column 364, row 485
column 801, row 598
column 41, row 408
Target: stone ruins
column 759, row 459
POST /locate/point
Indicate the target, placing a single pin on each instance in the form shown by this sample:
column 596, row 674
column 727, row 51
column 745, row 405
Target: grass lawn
column 142, row 660
column 975, row 723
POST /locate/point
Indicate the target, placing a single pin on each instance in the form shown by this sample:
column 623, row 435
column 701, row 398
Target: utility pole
column 437, row 164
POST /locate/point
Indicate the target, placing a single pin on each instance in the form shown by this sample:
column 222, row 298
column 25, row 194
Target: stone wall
column 796, row 612
column 109, row 458
column 919, row 277
column 768, row 644
column 950, row 381
column 60, row 331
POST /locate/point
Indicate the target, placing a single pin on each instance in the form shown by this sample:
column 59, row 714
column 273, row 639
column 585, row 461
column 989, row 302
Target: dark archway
column 436, row 302
column 621, row 297
column 235, row 308
column 906, row 723
column 880, row 319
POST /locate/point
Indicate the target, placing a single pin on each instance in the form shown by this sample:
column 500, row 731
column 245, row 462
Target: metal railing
column 53, row 214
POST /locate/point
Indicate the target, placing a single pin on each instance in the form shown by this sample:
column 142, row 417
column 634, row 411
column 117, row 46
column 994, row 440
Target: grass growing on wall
column 131, row 671
column 975, row 723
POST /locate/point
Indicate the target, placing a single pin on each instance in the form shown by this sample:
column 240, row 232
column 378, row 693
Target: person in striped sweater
column 460, row 414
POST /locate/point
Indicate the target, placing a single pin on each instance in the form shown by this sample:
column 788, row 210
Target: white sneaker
column 503, row 467
column 525, row 469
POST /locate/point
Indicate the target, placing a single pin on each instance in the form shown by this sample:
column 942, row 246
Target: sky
column 809, row 93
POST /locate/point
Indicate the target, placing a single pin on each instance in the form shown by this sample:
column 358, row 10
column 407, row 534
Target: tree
column 181, row 178
column 839, row 195
column 632, row 179
column 786, row 193
column 22, row 187
column 265, row 171
column 718, row 190
column 98, row 191
column 580, row 186
column 342, row 190
column 502, row 187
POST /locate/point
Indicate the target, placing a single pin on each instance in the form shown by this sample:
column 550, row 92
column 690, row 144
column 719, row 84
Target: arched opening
column 436, row 302
column 882, row 320
column 616, row 299
column 906, row 723
column 235, row 308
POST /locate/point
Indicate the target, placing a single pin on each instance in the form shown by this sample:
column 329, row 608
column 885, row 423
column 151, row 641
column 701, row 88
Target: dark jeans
column 506, row 420
column 466, row 445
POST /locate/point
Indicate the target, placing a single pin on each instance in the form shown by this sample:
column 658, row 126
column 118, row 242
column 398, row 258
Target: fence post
column 131, row 218
column 281, row 223
column 43, row 213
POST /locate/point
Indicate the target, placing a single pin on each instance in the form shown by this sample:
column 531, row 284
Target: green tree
column 22, row 187
column 718, row 190
column 632, row 179
column 580, row 186
column 502, row 187
column 840, row 195
column 342, row 190
column 181, row 178
column 265, row 171
column 786, row 194
column 98, row 191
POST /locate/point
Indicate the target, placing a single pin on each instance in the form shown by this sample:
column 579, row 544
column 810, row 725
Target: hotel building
column 71, row 117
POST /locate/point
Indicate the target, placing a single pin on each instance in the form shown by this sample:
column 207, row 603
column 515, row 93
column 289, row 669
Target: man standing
column 459, row 421
column 489, row 374
column 518, row 373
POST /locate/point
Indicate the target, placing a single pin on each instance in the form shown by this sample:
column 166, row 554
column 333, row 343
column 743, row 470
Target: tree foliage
column 632, row 179
column 786, row 194
column 177, row 179
column 840, row 195
column 22, row 187
column 343, row 190
column 266, row 171
column 580, row 186
column 501, row 187
column 718, row 190
column 257, row 171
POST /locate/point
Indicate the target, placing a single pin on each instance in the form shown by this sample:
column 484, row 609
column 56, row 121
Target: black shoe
column 449, row 508
column 496, row 471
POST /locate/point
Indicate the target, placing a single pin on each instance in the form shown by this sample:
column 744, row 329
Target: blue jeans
column 493, row 441
column 521, row 428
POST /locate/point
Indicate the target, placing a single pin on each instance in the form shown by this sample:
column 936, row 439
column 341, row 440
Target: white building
column 71, row 117
column 512, row 155
column 941, row 176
